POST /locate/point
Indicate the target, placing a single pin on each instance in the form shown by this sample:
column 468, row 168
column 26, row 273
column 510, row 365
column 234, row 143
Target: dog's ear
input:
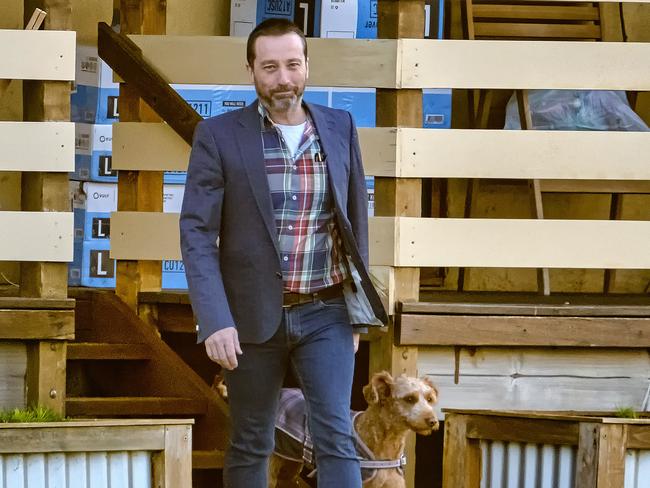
column 427, row 381
column 379, row 388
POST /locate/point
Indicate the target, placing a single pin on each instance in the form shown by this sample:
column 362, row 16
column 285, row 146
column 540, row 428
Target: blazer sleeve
column 358, row 195
column 200, row 222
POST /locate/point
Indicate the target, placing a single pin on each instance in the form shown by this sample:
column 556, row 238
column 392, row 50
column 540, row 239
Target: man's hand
column 223, row 346
column 355, row 337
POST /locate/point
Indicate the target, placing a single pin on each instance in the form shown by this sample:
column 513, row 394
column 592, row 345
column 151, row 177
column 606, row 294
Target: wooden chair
column 537, row 20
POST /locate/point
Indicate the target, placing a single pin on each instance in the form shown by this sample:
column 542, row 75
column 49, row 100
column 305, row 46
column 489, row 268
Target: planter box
column 491, row 449
column 97, row 454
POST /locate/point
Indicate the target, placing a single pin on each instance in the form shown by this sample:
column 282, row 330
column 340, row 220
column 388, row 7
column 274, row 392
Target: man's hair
column 272, row 27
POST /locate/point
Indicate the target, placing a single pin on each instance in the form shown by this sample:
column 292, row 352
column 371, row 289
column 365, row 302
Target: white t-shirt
column 292, row 135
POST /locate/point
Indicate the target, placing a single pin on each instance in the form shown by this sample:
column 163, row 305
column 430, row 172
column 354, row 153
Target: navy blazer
column 229, row 240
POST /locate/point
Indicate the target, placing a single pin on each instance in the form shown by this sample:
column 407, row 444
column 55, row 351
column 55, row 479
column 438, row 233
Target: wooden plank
column 455, row 153
column 36, row 236
column 527, row 12
column 559, row 309
column 601, row 456
column 208, row 459
column 510, row 243
column 92, row 437
column 159, row 297
column 13, row 367
column 638, row 437
column 130, row 406
column 535, row 30
column 182, row 59
column 573, row 64
column 473, row 330
column 525, row 430
column 461, row 465
column 107, row 351
column 45, row 379
column 37, row 55
column 125, row 58
column 139, row 191
column 148, row 146
column 36, row 303
column 173, row 466
column 490, row 154
column 145, row 235
column 593, row 186
column 54, row 151
column 36, row 324
column 398, row 108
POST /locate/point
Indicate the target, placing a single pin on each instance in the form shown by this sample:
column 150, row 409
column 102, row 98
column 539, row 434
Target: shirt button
column 286, row 258
column 294, row 197
column 290, row 227
column 197, row 327
column 295, row 167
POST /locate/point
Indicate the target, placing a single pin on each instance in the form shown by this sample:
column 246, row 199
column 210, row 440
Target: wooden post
column 139, row 191
column 461, row 464
column 46, row 192
column 601, row 455
column 172, row 467
column 399, row 196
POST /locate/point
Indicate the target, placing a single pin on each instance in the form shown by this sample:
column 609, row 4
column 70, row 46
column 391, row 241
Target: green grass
column 626, row 413
column 32, row 414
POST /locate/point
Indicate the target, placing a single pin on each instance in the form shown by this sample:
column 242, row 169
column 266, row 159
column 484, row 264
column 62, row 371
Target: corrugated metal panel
column 516, row 465
column 637, row 469
column 76, row 470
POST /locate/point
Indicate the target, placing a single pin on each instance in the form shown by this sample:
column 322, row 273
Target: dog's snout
column 433, row 422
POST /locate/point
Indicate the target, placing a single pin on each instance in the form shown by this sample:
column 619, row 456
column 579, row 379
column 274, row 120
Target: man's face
column 279, row 71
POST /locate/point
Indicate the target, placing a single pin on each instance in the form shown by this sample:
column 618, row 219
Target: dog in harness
column 396, row 406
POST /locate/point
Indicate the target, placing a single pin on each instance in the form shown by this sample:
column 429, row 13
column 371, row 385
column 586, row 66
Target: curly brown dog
column 395, row 407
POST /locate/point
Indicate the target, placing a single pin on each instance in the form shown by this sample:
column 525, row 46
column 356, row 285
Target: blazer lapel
column 250, row 146
column 325, row 127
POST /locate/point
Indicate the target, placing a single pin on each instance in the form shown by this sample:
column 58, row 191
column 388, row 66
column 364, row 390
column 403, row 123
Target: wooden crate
column 560, row 449
column 98, row 453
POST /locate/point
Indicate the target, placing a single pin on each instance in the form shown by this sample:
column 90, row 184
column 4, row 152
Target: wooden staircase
column 119, row 366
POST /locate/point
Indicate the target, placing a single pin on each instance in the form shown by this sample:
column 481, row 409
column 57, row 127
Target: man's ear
column 379, row 388
column 249, row 68
column 307, row 68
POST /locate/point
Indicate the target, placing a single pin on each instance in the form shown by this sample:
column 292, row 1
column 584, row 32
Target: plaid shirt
column 309, row 242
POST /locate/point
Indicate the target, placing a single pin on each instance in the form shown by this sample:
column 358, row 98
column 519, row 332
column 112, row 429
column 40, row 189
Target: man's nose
column 283, row 76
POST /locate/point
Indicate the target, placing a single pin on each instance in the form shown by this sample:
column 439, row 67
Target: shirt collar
column 266, row 120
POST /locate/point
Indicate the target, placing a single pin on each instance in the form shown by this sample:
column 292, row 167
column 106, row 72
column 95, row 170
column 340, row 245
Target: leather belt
column 291, row 298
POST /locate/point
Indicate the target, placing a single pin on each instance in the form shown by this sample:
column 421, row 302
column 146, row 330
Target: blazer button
column 278, row 274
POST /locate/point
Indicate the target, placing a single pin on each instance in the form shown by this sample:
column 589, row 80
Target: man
column 275, row 244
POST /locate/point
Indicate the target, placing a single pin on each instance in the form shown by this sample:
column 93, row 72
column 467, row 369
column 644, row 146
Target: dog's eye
column 411, row 399
column 430, row 399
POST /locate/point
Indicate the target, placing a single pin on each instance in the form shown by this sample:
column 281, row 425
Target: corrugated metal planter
column 97, row 454
column 488, row 449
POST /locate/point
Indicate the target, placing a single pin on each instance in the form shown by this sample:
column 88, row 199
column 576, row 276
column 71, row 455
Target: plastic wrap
column 577, row 110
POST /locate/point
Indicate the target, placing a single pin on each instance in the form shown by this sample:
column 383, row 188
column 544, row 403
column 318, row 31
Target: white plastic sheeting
column 77, row 470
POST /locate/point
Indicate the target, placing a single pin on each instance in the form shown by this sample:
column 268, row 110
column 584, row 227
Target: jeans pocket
column 336, row 302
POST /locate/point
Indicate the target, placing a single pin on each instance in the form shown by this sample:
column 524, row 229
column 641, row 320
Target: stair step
column 207, row 459
column 133, row 406
column 108, row 351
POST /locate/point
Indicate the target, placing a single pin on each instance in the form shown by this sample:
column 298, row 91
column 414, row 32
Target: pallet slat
column 129, row 406
column 509, row 243
column 53, row 152
column 453, row 153
column 37, row 55
column 560, row 65
column 36, row 236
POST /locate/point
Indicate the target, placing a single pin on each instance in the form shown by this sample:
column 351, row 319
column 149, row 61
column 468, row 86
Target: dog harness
column 293, row 439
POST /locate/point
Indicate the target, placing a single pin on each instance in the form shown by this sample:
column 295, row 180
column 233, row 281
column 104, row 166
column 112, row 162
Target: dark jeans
column 316, row 340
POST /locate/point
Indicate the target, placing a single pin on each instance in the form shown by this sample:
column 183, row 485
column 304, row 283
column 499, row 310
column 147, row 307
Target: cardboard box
column 246, row 14
column 360, row 102
column 436, row 108
column 339, row 18
column 78, row 205
column 94, row 153
column 97, row 267
column 94, row 94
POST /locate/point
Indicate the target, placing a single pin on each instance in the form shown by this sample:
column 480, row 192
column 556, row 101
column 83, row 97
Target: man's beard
column 282, row 98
